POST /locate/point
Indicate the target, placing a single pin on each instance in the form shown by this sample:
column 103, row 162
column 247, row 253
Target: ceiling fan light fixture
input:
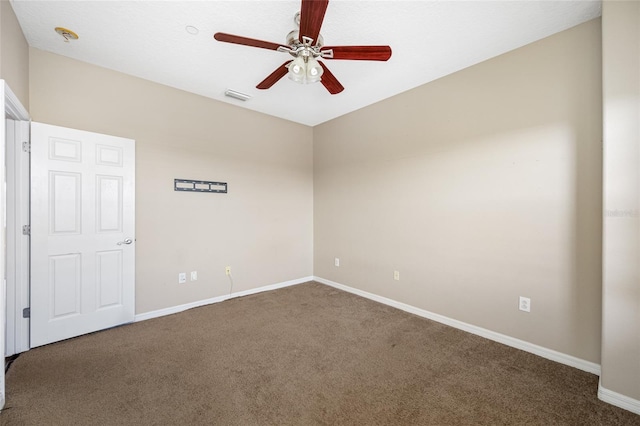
column 298, row 70
column 305, row 70
column 314, row 71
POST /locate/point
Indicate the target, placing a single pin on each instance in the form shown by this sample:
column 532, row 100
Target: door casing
column 14, row 110
column 17, row 242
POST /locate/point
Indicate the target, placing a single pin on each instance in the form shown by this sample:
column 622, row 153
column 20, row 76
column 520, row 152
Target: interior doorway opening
column 14, row 129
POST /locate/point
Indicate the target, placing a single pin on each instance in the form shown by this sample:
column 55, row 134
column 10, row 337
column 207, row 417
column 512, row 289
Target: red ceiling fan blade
column 273, row 78
column 329, row 81
column 230, row 38
column 359, row 53
column 311, row 17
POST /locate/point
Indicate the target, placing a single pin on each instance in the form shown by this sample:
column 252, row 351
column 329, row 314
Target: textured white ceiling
column 429, row 39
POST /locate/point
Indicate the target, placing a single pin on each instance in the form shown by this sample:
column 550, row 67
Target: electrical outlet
column 182, row 277
column 336, row 261
column 396, row 275
column 525, row 304
column 227, row 270
column 194, row 275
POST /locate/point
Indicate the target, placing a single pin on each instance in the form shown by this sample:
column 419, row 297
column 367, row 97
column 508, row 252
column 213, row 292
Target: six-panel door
column 82, row 212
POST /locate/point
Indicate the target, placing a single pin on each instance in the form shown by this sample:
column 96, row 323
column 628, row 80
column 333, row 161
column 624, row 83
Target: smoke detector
column 67, row 34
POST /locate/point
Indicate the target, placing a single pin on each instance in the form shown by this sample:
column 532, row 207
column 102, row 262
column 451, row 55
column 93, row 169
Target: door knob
column 127, row 241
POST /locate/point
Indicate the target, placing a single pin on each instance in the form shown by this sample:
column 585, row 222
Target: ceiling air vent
column 237, row 95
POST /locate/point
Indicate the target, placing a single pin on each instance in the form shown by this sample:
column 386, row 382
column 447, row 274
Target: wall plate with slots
column 199, row 186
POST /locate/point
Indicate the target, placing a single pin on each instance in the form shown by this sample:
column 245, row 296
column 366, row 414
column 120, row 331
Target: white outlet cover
column 525, row 304
column 337, row 262
column 182, row 277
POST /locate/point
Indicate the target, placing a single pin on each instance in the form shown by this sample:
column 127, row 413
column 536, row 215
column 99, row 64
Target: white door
column 82, row 232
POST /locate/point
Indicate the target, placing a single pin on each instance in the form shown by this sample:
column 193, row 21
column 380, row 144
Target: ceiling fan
column 305, row 45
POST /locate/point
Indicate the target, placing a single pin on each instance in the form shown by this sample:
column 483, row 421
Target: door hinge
column 26, row 230
column 26, row 146
column 26, row 313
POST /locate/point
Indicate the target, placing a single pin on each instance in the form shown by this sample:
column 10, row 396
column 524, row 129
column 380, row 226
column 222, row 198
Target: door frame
column 15, row 204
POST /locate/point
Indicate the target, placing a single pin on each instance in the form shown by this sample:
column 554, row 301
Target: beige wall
column 478, row 188
column 14, row 54
column 621, row 282
column 262, row 228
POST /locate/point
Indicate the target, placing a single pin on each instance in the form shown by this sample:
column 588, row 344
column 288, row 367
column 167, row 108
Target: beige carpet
column 302, row 355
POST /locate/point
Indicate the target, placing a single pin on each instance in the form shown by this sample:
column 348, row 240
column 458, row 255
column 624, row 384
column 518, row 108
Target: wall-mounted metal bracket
column 199, row 186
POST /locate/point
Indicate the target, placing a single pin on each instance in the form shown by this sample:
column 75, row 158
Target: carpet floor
column 302, row 355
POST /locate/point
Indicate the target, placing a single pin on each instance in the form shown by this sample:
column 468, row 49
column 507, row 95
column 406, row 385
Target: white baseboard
column 180, row 308
column 617, row 399
column 550, row 354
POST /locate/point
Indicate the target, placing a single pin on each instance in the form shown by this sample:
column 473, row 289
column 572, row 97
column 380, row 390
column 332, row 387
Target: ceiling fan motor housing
column 293, row 40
